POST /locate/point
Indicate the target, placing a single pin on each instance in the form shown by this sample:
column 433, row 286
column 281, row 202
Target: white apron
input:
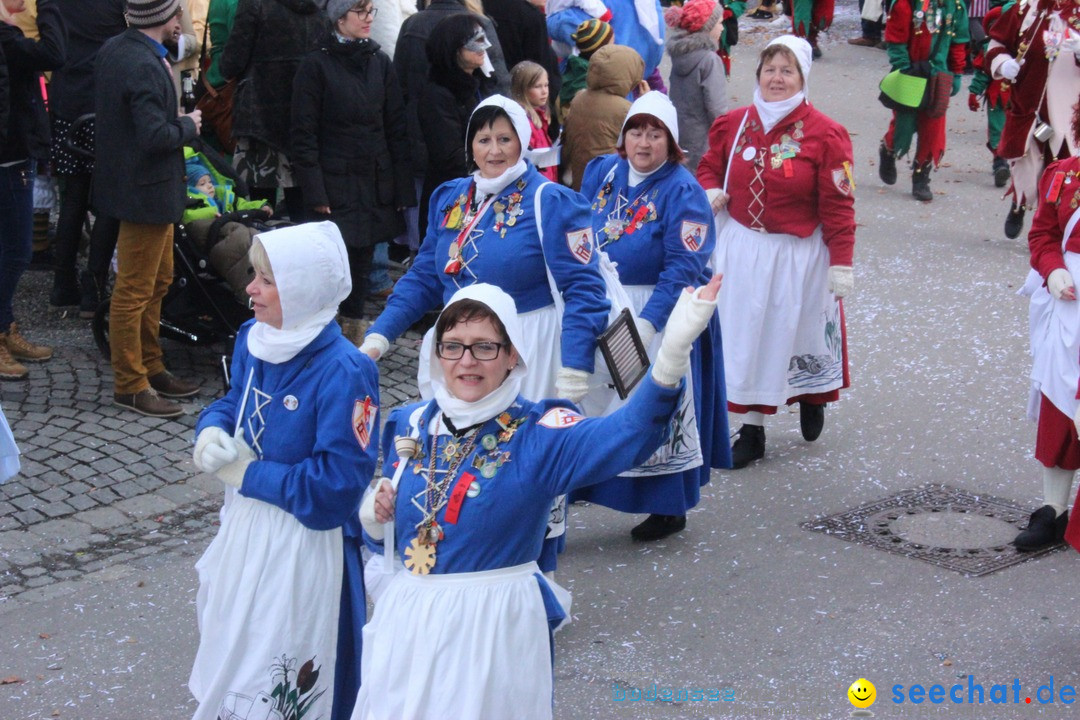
column 467, row 646
column 781, row 325
column 268, row 602
column 9, row 451
column 1054, row 330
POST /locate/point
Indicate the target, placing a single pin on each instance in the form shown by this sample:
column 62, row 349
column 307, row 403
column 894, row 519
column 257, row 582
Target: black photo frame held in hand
column 624, row 353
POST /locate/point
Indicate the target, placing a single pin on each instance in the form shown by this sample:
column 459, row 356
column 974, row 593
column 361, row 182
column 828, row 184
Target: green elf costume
column 993, row 93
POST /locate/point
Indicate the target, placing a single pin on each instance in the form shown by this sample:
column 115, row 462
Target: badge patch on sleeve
column 363, row 421
column 560, row 418
column 843, row 179
column 580, row 244
column 693, row 235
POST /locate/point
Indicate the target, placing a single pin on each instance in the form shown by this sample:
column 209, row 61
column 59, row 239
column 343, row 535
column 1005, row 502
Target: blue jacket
column 314, row 459
column 671, row 242
column 624, row 22
column 505, row 252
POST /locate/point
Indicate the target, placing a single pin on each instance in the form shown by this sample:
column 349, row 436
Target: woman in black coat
column 350, row 144
column 456, row 85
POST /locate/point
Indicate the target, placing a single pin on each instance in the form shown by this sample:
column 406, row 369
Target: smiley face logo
column 862, row 693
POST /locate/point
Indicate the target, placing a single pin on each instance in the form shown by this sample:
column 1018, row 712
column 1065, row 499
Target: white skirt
column 1054, row 327
column 782, row 331
column 463, row 646
column 268, row 602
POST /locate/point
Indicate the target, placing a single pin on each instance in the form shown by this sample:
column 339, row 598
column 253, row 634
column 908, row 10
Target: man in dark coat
column 25, row 141
column 411, row 63
column 139, row 179
column 523, row 34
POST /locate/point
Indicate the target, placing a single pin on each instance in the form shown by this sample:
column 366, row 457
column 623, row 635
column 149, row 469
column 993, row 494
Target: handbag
column 217, row 112
column 904, row 90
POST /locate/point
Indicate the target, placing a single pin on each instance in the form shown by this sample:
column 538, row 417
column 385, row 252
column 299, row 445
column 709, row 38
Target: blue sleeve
column 420, row 289
column 222, row 412
column 687, row 213
column 594, row 174
column 323, row 491
column 564, row 213
column 597, row 449
column 562, row 25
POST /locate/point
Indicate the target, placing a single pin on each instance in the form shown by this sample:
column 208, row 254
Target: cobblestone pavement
column 101, row 485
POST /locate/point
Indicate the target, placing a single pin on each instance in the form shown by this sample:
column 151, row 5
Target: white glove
column 214, row 448
column 841, row 280
column 374, row 346
column 1009, row 69
column 233, row 473
column 690, row 316
column 371, row 526
column 1071, row 43
column 1059, row 282
column 646, row 330
column 571, row 384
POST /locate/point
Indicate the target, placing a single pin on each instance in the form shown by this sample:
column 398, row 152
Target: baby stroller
column 200, row 307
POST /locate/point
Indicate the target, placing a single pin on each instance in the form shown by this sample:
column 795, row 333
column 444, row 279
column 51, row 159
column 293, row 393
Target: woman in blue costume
column 654, row 222
column 509, row 226
column 281, row 595
column 466, row 633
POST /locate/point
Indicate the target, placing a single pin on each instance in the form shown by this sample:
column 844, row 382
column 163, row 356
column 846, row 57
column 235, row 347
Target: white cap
column 658, row 105
column 804, row 54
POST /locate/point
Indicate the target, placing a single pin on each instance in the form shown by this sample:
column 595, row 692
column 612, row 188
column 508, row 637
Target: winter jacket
column 224, row 191
column 139, row 135
column 269, row 39
column 350, row 145
column 596, row 115
column 219, row 16
column 5, row 97
column 411, row 64
column 523, row 35
column 697, row 87
column 89, row 24
column 573, row 80
column 27, row 128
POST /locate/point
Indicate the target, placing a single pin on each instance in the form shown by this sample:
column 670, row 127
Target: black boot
column 920, row 183
column 1045, row 528
column 749, row 447
column 811, row 420
column 1001, row 172
column 1014, row 221
column 65, row 289
column 886, row 164
column 658, row 527
column 811, row 37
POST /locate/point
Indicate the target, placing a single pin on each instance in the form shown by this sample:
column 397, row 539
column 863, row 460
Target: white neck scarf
column 635, row 178
column 490, row 186
column 465, row 414
column 311, row 272
column 772, row 113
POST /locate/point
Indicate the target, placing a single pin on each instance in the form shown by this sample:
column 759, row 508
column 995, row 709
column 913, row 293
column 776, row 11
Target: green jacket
column 223, row 187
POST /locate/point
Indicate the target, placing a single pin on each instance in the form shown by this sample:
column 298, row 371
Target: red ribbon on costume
column 457, row 496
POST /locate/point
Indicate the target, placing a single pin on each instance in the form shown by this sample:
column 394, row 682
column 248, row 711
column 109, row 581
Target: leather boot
column 22, row 349
column 749, row 447
column 886, row 164
column 1014, row 221
column 1001, row 172
column 920, row 183
column 10, row 368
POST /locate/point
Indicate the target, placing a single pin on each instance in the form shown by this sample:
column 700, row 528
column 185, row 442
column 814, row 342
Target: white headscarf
column 522, row 128
column 460, row 412
column 311, row 272
column 773, row 112
column 658, row 105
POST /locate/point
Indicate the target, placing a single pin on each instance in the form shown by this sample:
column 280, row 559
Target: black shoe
column 760, row 14
column 1045, row 528
column 65, row 289
column 1001, row 172
column 1014, row 222
column 920, row 183
column 811, row 420
column 886, row 165
column 815, row 51
column 658, row 527
column 749, row 447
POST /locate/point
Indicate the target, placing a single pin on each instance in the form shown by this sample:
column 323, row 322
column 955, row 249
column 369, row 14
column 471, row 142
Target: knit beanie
column 150, row 13
column 335, row 9
column 699, row 16
column 591, row 35
column 195, row 172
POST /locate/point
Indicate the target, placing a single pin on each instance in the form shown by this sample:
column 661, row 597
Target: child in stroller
column 221, row 224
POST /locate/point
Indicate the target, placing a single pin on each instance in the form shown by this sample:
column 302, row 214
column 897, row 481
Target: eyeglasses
column 480, row 351
column 369, row 12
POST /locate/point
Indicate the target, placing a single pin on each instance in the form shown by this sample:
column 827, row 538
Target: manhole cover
column 941, row 525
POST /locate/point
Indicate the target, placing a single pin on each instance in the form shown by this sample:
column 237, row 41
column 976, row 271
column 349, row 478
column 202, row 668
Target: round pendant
column 290, row 402
column 434, row 534
column 748, row 154
column 489, row 442
column 419, row 559
column 488, row 470
column 474, row 489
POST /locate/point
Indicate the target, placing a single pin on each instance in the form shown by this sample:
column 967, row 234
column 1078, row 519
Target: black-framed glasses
column 481, row 351
column 368, row 12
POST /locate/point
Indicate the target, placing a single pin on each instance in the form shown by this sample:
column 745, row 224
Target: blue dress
column 313, row 424
column 660, row 236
